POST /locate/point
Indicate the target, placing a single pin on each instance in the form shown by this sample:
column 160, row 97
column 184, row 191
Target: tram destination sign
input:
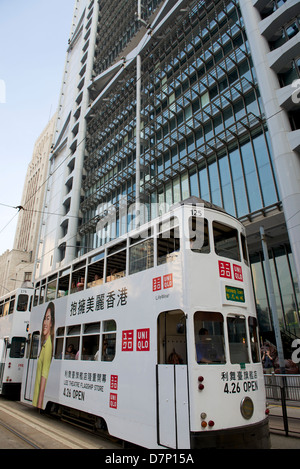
column 235, row 294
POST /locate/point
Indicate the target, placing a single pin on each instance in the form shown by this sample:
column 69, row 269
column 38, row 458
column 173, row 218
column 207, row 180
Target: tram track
column 19, row 435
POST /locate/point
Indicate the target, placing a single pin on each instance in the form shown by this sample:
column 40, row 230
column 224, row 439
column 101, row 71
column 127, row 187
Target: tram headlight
column 247, row 408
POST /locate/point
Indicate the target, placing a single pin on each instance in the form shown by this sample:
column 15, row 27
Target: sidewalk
column 278, row 430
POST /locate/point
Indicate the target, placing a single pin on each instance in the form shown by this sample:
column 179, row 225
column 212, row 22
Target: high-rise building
column 163, row 100
column 17, row 265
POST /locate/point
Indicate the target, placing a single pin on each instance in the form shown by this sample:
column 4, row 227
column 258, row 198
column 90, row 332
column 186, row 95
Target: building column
column 286, row 162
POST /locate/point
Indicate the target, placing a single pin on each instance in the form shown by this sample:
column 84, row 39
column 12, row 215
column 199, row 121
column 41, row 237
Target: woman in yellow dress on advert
column 45, row 357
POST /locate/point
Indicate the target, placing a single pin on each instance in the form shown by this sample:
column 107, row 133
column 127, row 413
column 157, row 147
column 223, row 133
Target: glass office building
column 185, row 74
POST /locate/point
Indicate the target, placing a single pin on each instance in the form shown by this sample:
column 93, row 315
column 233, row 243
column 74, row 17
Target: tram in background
column 14, row 324
column 154, row 336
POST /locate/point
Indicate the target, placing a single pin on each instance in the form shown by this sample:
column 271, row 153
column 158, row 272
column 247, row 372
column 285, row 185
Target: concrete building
column 163, row 100
column 17, row 265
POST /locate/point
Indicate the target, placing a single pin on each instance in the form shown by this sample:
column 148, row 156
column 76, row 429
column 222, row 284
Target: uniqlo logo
column 225, row 269
column 238, row 272
column 114, row 382
column 127, row 341
column 113, row 400
column 168, row 281
column 143, row 340
column 156, row 284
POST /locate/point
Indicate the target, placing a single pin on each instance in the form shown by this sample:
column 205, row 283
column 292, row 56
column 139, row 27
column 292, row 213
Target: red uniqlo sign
column 127, row 341
column 168, row 281
column 156, row 284
column 238, row 272
column 143, row 340
column 113, row 400
column 225, row 269
column 114, row 382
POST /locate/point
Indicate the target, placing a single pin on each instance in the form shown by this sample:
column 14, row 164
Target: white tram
column 14, row 325
column 156, row 337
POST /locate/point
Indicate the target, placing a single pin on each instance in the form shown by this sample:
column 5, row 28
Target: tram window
column 209, row 337
column 171, row 338
column 168, row 242
column 198, row 235
column 108, row 348
column 1, row 309
column 59, row 344
column 141, row 256
column 78, row 280
column 90, row 342
column 42, row 294
column 254, row 339
column 244, row 249
column 22, row 302
column 51, row 290
column 72, row 342
column 226, row 241
column 6, row 308
column 116, row 266
column 36, row 294
column 63, row 286
column 95, row 274
column 90, row 347
column 11, row 305
column 17, row 348
column 34, row 349
column 238, row 346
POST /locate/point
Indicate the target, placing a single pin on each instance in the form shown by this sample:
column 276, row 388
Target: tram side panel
column 121, row 391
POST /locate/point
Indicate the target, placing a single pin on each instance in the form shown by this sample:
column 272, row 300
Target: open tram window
column 1, row 308
column 172, row 338
column 90, row 341
column 17, row 347
column 96, row 271
column 51, row 288
column 108, row 345
column 78, row 277
column 59, row 343
column 253, row 331
column 116, row 262
column 168, row 241
column 42, row 292
column 244, row 249
column 36, row 294
column 198, row 235
column 72, row 342
column 209, row 337
column 63, row 283
column 22, row 303
column 11, row 305
column 237, row 335
column 226, row 241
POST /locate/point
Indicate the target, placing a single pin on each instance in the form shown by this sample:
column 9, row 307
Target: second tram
column 14, row 325
column 155, row 336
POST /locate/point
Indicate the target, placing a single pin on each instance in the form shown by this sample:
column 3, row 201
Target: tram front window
column 209, row 338
column 237, row 335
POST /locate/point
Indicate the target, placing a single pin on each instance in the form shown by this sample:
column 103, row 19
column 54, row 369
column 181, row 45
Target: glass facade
column 203, row 131
column 285, row 286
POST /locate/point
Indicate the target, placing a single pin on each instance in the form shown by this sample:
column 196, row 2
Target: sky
column 33, row 44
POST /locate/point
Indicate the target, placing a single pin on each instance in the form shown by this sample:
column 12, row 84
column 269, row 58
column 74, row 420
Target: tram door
column 172, row 382
column 3, row 349
column 31, row 366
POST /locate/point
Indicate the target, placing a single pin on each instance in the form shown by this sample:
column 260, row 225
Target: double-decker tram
column 154, row 336
column 14, row 324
